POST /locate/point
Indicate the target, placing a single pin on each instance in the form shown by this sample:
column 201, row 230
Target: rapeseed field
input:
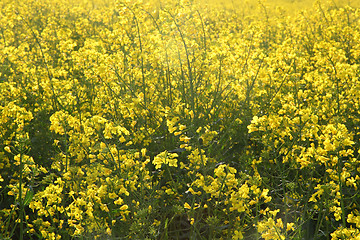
column 134, row 119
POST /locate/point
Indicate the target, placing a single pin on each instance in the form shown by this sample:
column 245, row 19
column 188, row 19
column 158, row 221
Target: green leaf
column 28, row 197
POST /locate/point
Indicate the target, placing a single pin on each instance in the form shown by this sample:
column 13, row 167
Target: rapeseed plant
column 179, row 120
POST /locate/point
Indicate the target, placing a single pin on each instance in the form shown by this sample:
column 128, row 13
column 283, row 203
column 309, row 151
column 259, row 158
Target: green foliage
column 174, row 120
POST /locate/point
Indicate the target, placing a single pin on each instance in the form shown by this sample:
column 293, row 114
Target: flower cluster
column 179, row 120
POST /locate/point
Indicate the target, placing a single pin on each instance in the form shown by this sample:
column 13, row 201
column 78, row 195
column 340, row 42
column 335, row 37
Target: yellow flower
column 169, row 191
column 237, row 235
column 165, row 158
column 182, row 127
column 119, row 201
column 143, row 152
column 7, row 148
column 112, row 195
column 290, row 227
column 122, row 139
column 156, row 222
column 187, row 206
column 192, row 220
column 124, row 207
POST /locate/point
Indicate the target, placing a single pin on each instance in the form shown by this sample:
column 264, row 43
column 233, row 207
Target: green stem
column 342, row 205
column 20, row 199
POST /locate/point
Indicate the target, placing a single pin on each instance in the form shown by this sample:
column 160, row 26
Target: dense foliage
column 173, row 120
